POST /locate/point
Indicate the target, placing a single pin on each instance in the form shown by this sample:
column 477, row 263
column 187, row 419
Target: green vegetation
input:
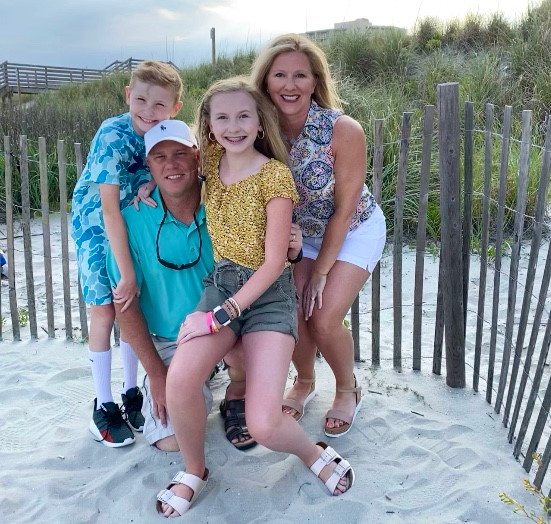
column 380, row 75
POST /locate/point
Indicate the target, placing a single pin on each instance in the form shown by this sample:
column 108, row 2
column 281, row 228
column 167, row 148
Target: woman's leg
column 304, row 354
column 190, row 367
column 331, row 337
column 267, row 359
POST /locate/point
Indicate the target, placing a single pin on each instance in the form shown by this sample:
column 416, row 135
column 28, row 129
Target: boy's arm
column 115, row 228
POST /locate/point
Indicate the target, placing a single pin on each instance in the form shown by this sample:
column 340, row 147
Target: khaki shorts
column 274, row 310
column 153, row 430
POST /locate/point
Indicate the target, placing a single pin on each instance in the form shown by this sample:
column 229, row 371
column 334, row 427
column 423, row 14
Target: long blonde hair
column 271, row 144
column 325, row 92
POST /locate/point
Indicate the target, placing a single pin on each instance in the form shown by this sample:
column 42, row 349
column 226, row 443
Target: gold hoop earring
column 261, row 135
column 211, row 136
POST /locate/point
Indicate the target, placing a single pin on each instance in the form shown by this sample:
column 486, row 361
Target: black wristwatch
column 221, row 316
column 297, row 259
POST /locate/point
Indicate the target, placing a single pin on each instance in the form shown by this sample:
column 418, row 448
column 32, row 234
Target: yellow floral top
column 236, row 214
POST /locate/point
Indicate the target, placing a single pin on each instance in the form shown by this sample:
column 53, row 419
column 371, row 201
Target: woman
column 343, row 227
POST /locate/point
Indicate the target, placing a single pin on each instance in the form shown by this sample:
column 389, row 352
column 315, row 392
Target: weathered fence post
column 489, row 123
column 378, row 138
column 27, row 239
column 81, row 305
column 522, row 190
column 428, row 127
column 450, row 218
column 504, row 159
column 398, row 238
column 64, row 238
column 10, row 240
column 467, row 204
column 45, row 209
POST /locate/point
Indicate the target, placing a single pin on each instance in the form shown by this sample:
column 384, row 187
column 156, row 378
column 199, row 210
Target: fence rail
column 463, row 321
column 31, row 79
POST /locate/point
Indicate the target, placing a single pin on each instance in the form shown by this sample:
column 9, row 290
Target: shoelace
column 132, row 404
column 114, row 419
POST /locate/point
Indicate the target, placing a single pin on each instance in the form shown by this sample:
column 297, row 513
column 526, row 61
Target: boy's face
column 149, row 104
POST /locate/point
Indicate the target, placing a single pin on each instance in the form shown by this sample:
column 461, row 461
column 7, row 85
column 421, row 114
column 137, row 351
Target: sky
column 94, row 33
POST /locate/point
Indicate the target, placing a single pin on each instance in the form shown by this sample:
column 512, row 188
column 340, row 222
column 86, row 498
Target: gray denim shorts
column 274, row 310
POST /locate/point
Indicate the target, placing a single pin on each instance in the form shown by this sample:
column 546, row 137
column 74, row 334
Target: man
column 172, row 252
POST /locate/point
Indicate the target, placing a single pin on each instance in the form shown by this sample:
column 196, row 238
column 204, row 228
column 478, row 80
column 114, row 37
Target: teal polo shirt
column 166, row 295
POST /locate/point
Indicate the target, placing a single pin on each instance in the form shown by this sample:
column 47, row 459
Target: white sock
column 100, row 362
column 129, row 365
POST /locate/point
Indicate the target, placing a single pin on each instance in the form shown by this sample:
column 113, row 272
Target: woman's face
column 290, row 83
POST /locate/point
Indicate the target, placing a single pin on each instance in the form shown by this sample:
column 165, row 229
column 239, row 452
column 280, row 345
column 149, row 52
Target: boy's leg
column 107, row 424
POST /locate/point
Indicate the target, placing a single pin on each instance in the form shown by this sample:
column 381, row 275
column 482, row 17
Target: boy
column 114, row 171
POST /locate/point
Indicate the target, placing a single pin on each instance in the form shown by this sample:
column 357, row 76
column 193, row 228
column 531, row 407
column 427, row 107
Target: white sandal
column 180, row 504
column 342, row 470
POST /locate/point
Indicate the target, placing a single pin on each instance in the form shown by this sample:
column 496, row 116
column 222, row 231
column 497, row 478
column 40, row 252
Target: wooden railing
column 31, row 79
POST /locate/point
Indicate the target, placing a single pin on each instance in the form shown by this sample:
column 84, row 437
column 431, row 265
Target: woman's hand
column 195, row 325
column 125, row 292
column 295, row 242
column 313, row 293
column 143, row 195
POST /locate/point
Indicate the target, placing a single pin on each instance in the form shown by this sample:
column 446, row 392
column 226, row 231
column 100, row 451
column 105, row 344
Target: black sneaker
column 132, row 402
column 108, row 427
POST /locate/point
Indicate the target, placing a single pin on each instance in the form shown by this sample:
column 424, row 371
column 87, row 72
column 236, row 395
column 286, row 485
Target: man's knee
column 167, row 444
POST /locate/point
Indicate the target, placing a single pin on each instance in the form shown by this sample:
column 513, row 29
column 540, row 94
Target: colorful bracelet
column 235, row 305
column 210, row 322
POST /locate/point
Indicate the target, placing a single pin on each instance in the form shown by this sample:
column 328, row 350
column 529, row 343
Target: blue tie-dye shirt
column 117, row 156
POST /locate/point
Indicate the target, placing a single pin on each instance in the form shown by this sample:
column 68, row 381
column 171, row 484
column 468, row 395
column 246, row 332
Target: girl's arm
column 350, row 168
column 115, row 229
column 279, row 213
column 143, row 195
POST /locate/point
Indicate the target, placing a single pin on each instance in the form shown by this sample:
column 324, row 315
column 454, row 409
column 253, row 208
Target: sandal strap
column 304, row 380
column 180, row 504
column 341, row 471
column 327, row 456
column 339, row 414
column 293, row 404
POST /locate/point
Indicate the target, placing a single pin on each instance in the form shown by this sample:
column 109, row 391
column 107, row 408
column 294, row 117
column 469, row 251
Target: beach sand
column 422, row 452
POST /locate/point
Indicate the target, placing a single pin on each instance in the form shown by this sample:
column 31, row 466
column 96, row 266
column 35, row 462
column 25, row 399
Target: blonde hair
column 158, row 74
column 271, row 144
column 325, row 92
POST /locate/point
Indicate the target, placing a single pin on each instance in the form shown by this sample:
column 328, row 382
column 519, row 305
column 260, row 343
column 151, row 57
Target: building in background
column 322, row 36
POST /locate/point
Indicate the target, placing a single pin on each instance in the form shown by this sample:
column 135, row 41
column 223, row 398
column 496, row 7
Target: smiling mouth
column 147, row 121
column 290, row 98
column 235, row 139
column 174, row 177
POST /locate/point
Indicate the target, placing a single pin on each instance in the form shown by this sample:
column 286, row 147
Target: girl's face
column 234, row 120
column 291, row 83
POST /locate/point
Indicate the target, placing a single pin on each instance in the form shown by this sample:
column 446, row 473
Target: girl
column 250, row 293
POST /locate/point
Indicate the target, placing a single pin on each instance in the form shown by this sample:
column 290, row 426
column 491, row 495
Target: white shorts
column 153, row 430
column 362, row 247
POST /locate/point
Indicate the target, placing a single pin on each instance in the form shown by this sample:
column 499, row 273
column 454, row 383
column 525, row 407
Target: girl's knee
column 262, row 429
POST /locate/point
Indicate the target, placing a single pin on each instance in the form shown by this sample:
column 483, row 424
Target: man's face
column 174, row 167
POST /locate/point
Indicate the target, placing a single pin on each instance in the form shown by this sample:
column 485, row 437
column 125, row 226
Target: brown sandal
column 341, row 415
column 299, row 407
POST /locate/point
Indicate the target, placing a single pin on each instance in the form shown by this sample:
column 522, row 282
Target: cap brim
column 172, row 139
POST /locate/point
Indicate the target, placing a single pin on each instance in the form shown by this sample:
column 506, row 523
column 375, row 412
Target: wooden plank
column 12, row 293
column 45, row 209
column 467, row 205
column 355, row 324
column 27, row 240
column 503, row 164
column 544, row 410
column 544, row 465
column 64, row 239
column 489, row 125
column 378, row 137
column 450, row 219
column 522, row 191
column 428, row 129
column 398, row 238
column 536, row 322
column 438, row 325
column 81, row 304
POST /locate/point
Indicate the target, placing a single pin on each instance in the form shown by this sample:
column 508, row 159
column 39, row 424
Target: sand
column 422, row 452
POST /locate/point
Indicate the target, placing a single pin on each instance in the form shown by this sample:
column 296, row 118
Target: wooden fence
column 509, row 372
column 31, row 79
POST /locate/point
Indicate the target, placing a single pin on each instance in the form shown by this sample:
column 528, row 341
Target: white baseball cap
column 169, row 130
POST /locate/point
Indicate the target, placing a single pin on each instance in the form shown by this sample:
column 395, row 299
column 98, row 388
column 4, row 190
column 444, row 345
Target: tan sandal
column 342, row 470
column 298, row 406
column 180, row 504
column 341, row 415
